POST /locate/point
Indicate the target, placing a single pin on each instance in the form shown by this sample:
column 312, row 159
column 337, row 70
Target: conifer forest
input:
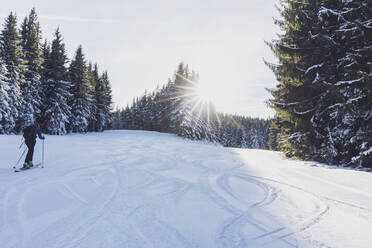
column 39, row 83
column 176, row 108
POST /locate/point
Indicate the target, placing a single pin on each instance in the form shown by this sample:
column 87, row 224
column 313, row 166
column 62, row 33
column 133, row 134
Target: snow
column 365, row 153
column 313, row 67
column 348, row 82
column 146, row 189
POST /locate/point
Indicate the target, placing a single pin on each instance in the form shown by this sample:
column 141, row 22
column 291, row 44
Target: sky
column 140, row 43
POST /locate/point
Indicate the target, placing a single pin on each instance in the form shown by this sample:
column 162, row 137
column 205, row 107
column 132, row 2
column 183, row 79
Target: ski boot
column 25, row 166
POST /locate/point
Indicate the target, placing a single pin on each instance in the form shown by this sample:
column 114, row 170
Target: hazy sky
column 140, row 43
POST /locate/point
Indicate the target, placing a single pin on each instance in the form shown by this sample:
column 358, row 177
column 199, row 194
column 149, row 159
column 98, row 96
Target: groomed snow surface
column 121, row 189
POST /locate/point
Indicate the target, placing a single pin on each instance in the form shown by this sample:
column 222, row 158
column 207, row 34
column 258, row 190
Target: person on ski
column 29, row 134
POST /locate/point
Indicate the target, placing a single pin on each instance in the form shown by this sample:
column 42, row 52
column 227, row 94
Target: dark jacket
column 30, row 133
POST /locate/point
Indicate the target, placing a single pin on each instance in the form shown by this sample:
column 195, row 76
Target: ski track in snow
column 231, row 232
column 73, row 238
column 321, row 209
column 143, row 189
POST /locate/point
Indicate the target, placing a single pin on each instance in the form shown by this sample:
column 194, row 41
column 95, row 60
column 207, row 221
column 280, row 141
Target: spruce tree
column 80, row 98
column 351, row 114
column 188, row 114
column 45, row 48
column 356, row 64
column 299, row 51
column 99, row 110
column 274, row 132
column 176, row 100
column 107, row 99
column 6, row 121
column 33, row 58
column 57, row 111
column 92, row 109
column 11, row 54
column 323, row 97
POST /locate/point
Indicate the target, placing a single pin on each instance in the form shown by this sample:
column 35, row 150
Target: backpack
column 28, row 133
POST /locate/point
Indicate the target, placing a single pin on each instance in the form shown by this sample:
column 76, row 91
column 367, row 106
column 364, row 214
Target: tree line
column 323, row 100
column 177, row 108
column 39, row 83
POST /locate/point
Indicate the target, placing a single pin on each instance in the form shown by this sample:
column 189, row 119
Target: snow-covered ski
column 23, row 169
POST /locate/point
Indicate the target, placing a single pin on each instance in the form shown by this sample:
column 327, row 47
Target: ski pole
column 42, row 161
column 22, row 140
column 20, row 158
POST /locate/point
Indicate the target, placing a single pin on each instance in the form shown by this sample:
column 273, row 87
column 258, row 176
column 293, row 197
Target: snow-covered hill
column 145, row 189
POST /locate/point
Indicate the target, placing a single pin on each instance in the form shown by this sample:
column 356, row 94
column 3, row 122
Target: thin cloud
column 79, row 19
column 70, row 18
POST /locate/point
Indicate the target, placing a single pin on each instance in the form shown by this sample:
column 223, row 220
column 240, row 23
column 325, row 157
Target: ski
column 23, row 169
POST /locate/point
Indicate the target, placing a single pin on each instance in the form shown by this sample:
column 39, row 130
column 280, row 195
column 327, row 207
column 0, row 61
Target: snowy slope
column 145, row 189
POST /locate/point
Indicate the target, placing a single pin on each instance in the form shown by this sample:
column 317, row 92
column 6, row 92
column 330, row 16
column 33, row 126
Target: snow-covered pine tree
column 98, row 120
column 274, row 132
column 6, row 118
column 33, row 57
column 80, row 99
column 304, row 75
column 352, row 113
column 188, row 115
column 134, row 116
column 92, row 82
column 151, row 110
column 227, row 134
column 138, row 113
column 327, row 118
column 11, row 54
column 143, row 112
column 164, row 108
column 45, row 48
column 175, row 100
column 125, row 118
column 323, row 100
column 57, row 111
column 117, row 119
column 107, row 99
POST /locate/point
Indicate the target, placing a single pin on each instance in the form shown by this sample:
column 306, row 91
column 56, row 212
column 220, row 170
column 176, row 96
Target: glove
column 43, row 138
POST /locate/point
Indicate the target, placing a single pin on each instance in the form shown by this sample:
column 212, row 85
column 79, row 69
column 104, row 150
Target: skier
column 29, row 133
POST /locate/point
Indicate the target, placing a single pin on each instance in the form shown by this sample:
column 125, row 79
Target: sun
column 204, row 96
column 204, row 93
